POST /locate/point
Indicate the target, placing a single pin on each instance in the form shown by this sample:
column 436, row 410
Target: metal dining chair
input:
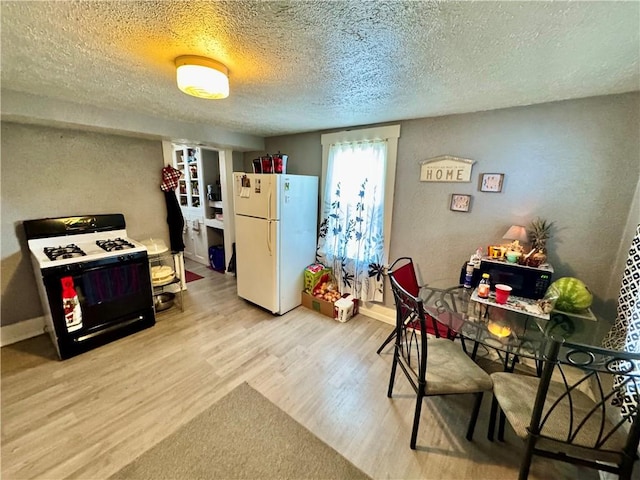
column 404, row 272
column 559, row 418
column 432, row 365
column 457, row 299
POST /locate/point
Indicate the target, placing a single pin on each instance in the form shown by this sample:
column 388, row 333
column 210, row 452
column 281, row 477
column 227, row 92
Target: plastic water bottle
column 476, row 258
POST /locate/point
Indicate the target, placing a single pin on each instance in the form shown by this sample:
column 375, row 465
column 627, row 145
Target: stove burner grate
column 57, row 253
column 113, row 244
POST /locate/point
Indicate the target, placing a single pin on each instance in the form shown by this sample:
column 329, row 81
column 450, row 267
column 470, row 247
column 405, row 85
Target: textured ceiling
column 312, row 65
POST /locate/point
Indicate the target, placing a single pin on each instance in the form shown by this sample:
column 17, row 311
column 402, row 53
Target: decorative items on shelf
column 515, row 250
column 497, row 251
column 539, row 233
column 276, row 163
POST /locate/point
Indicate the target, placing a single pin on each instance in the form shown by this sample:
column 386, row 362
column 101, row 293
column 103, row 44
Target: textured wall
column 50, row 172
column 576, row 163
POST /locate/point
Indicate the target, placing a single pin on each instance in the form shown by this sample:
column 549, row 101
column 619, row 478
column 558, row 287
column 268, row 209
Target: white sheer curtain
column 351, row 239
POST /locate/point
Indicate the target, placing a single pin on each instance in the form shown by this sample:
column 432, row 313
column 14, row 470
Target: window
column 358, row 177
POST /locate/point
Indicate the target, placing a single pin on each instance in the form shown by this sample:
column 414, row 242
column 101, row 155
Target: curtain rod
column 358, row 142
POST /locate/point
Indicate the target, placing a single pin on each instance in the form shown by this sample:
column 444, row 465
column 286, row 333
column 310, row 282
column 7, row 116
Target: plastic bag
column 548, row 302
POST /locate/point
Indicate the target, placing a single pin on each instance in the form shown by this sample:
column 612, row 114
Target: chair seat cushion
column 516, row 395
column 450, row 370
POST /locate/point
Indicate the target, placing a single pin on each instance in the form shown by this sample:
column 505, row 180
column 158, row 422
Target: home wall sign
column 446, row 168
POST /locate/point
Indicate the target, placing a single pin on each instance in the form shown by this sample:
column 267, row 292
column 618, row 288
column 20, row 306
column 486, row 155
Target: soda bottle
column 468, row 276
column 484, row 287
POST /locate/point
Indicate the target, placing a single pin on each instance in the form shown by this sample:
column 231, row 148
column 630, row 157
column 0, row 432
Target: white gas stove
column 94, row 281
column 85, row 247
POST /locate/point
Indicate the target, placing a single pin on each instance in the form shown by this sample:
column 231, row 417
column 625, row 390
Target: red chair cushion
column 406, row 277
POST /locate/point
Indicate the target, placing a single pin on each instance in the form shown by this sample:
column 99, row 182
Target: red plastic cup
column 502, row 293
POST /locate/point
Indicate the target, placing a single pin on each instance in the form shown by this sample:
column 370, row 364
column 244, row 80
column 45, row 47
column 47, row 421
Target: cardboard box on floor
column 324, row 307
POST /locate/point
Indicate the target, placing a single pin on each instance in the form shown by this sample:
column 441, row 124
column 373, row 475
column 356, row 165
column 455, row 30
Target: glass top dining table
column 518, row 328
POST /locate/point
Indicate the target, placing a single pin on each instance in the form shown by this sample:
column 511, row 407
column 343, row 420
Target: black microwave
column 527, row 282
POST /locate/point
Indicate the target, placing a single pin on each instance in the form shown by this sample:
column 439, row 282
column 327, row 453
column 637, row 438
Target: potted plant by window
column 539, row 233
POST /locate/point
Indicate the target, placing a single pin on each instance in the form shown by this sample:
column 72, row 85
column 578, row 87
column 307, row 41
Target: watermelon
column 571, row 294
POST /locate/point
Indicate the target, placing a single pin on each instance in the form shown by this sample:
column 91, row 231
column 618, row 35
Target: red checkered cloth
column 170, row 177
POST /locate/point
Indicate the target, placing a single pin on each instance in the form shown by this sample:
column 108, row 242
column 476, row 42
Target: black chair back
column 451, row 370
column 410, row 319
column 567, row 426
column 404, row 273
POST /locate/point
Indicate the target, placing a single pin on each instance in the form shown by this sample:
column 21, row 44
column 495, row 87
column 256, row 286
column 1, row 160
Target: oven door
column 114, row 296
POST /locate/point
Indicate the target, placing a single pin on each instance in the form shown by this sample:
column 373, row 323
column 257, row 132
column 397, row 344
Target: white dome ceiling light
column 202, row 77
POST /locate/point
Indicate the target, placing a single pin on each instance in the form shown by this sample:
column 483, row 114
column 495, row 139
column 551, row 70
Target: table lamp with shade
column 518, row 235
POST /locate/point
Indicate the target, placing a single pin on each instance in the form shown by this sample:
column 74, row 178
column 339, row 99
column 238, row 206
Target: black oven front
column 114, row 296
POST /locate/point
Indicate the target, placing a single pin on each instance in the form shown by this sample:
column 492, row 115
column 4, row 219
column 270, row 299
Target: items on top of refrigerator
column 276, row 163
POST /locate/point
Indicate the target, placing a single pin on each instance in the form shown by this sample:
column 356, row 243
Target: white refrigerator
column 276, row 221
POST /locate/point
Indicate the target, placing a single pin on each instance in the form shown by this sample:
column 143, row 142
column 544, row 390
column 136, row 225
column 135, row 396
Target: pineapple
column 539, row 233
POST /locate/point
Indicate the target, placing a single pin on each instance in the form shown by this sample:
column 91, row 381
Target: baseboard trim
column 378, row 312
column 16, row 332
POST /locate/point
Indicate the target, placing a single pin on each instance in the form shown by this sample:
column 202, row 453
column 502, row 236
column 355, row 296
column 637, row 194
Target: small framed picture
column 491, row 182
column 460, row 202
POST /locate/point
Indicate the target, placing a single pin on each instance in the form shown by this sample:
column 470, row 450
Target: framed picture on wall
column 460, row 202
column 491, row 182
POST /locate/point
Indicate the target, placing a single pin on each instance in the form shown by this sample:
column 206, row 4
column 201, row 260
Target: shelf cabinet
column 215, row 215
column 201, row 195
column 189, row 191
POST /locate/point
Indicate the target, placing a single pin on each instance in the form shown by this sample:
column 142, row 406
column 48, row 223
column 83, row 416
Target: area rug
column 191, row 277
column 242, row 436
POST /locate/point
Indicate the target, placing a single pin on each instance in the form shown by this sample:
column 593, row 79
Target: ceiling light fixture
column 202, row 77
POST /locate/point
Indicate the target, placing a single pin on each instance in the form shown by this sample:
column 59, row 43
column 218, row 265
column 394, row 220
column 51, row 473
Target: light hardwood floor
column 88, row 416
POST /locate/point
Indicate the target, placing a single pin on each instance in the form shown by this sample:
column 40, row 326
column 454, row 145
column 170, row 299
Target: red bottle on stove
column 71, row 305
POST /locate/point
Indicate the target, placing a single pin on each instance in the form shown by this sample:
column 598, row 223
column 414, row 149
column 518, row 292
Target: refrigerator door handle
column 269, row 206
column 269, row 222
